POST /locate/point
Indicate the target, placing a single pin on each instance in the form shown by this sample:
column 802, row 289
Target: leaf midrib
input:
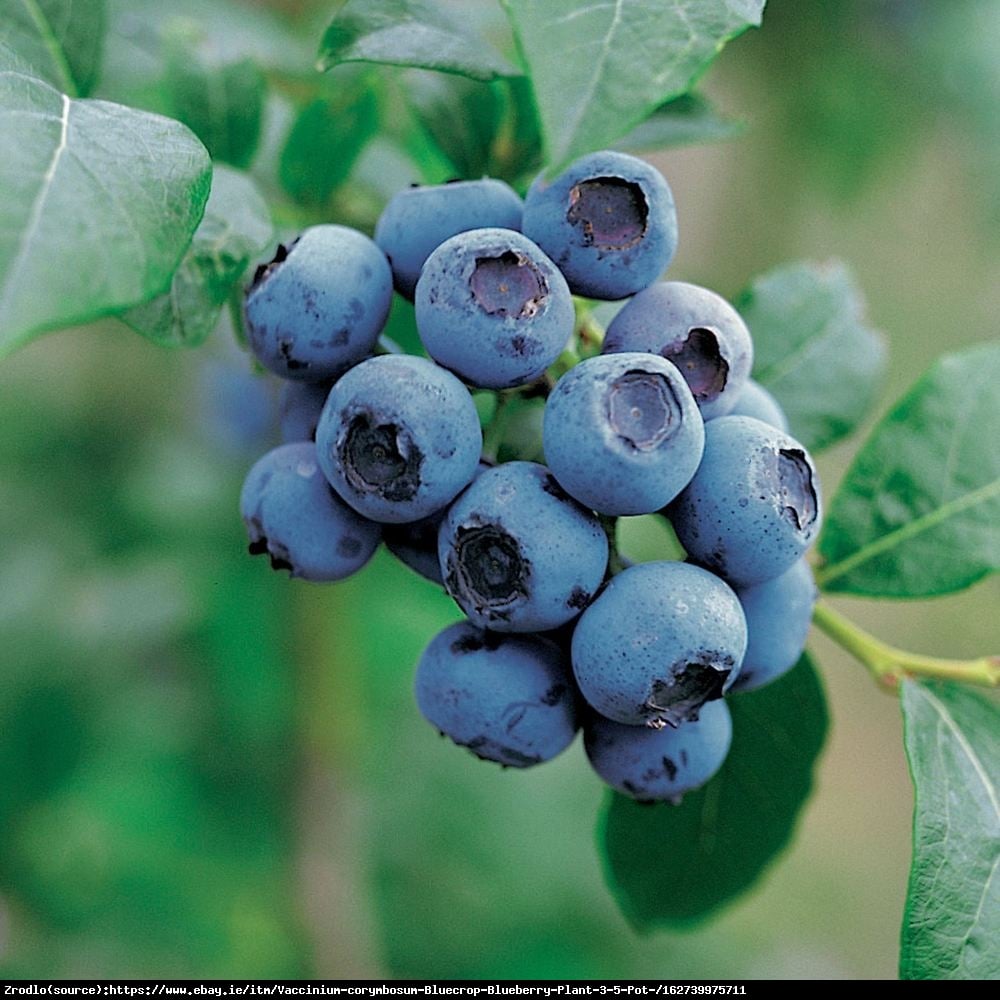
column 911, row 529
column 46, row 32
column 37, row 207
column 945, row 718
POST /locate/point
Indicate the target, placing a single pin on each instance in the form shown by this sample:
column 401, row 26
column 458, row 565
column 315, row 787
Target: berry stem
column 590, row 333
column 616, row 561
column 497, row 427
column 889, row 665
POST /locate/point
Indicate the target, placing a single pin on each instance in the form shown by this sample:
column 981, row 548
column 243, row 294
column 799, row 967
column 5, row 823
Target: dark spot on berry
column 631, row 788
column 699, row 359
column 669, row 768
column 642, row 409
column 292, row 364
column 349, row 548
column 340, row 338
column 380, row 458
column 611, row 212
column 798, row 495
column 578, row 598
column 472, row 642
column 554, row 695
column 508, row 285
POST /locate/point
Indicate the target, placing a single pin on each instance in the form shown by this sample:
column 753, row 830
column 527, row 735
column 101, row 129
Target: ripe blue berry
column 518, row 554
column 661, row 640
column 293, row 515
column 753, row 507
column 320, row 305
column 508, row 698
column 299, row 407
column 656, row 764
column 622, row 433
column 698, row 331
column 778, row 614
column 398, row 438
column 608, row 221
column 491, row 307
column 755, row 401
column 417, row 220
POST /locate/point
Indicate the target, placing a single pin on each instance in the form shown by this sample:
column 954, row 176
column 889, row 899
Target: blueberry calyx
column 700, row 361
column 489, row 569
column 380, row 458
column 798, row 495
column 612, row 212
column 642, row 409
column 691, row 686
column 508, row 285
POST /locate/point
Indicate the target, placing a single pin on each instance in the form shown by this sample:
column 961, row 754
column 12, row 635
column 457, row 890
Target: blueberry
column 698, row 331
column 655, row 764
column 421, row 218
column 753, row 507
column 622, row 433
column 518, row 554
column 299, row 407
column 492, row 308
column 508, row 698
column 294, row 517
column 778, row 614
column 398, row 438
column 320, row 305
column 608, row 221
column 416, row 544
column 661, row 640
column 755, row 401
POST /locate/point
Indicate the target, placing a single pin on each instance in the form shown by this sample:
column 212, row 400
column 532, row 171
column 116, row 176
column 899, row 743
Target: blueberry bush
column 429, row 240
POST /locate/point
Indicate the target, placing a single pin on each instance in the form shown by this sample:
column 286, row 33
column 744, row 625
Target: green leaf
column 917, row 512
column 235, row 230
column 951, row 924
column 221, row 102
column 684, row 121
column 100, row 203
column 670, row 866
column 483, row 128
column 809, row 330
column 60, row 39
column 326, row 140
column 599, row 69
column 408, row 33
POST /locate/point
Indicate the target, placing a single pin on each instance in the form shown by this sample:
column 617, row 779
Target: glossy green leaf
column 326, row 140
column 809, row 329
column 220, row 100
column 483, row 128
column 599, row 68
column 100, row 203
column 670, row 866
column 917, row 512
column 60, row 39
column 951, row 924
column 408, row 33
column 235, row 231
column 684, row 121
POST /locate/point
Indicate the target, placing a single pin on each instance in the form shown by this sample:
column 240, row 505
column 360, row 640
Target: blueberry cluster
column 559, row 632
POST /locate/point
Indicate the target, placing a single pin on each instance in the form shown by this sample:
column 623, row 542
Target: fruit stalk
column 889, row 664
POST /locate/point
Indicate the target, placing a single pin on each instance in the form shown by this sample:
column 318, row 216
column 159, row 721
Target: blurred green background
column 210, row 771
